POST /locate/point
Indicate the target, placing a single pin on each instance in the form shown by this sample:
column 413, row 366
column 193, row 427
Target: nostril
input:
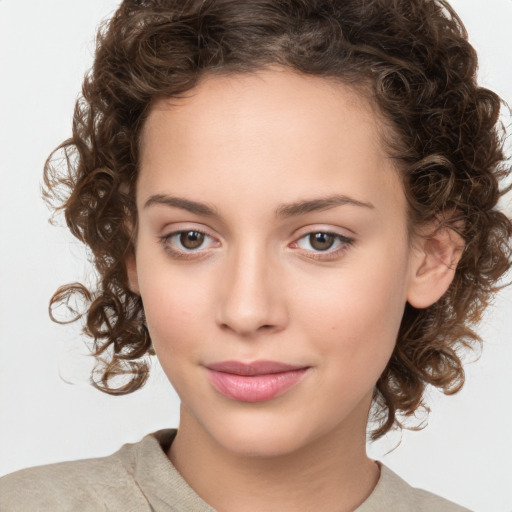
column 241, row 330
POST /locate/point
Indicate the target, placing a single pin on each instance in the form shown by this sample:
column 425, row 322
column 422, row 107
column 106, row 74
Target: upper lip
column 253, row 368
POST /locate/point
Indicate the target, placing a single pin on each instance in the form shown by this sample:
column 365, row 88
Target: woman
column 294, row 206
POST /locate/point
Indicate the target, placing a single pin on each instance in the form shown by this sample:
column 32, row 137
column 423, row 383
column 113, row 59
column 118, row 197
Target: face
column 272, row 257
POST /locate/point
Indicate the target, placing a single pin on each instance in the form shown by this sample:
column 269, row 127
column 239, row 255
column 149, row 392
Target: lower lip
column 255, row 388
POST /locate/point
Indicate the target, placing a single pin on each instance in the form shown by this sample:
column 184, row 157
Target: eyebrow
column 323, row 203
column 283, row 211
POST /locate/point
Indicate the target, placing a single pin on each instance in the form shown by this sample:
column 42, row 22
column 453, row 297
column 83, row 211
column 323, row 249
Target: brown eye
column 323, row 245
column 191, row 244
column 191, row 239
column 321, row 241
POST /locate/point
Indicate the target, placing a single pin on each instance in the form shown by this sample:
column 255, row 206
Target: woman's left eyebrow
column 283, row 211
column 323, row 203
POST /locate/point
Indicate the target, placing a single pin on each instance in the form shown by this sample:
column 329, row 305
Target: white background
column 49, row 412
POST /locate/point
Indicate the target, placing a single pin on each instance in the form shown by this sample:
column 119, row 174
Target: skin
column 257, row 289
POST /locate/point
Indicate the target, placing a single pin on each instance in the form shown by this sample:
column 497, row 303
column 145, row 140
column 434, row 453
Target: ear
column 131, row 273
column 130, row 260
column 436, row 255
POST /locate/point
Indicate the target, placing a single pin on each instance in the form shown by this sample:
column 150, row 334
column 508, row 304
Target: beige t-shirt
column 140, row 478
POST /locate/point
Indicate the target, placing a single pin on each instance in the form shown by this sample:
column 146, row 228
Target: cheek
column 355, row 315
column 175, row 307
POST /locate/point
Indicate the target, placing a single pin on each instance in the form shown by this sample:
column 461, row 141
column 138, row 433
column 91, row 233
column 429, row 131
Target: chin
column 261, row 437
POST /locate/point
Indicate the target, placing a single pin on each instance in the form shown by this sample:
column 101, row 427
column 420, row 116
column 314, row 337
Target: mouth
column 254, row 382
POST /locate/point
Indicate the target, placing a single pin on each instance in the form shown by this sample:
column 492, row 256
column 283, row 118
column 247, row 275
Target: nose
column 252, row 296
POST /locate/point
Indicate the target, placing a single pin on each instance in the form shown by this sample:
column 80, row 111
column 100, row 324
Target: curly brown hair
column 411, row 57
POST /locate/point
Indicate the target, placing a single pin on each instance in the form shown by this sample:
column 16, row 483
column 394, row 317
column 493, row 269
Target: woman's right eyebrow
column 182, row 203
column 294, row 209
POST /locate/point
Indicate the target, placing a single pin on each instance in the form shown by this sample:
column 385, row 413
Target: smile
column 254, row 382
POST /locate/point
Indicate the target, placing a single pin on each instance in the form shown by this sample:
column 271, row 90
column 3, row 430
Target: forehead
column 266, row 101
column 274, row 128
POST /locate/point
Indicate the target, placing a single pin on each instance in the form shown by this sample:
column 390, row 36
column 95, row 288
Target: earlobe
column 131, row 273
column 433, row 267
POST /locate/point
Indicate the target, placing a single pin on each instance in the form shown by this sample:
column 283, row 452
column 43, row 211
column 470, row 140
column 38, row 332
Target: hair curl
column 412, row 56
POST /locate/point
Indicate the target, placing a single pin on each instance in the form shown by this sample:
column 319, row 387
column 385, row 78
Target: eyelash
column 327, row 255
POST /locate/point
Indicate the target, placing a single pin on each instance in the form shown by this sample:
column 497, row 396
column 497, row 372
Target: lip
column 254, row 382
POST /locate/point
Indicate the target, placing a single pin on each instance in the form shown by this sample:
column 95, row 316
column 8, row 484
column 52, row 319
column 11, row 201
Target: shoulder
column 107, row 483
column 73, row 485
column 394, row 493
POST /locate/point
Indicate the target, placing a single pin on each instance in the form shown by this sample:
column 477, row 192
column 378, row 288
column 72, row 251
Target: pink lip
column 253, row 382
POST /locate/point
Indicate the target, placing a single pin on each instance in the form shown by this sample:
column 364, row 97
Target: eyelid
column 324, row 228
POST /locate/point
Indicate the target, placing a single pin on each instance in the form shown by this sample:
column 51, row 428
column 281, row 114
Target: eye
column 319, row 241
column 323, row 244
column 183, row 243
column 190, row 239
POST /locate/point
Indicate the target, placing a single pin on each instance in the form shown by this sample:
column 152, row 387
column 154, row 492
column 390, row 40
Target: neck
column 331, row 473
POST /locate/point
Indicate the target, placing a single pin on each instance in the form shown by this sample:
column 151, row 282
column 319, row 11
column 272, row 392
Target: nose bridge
column 251, row 299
